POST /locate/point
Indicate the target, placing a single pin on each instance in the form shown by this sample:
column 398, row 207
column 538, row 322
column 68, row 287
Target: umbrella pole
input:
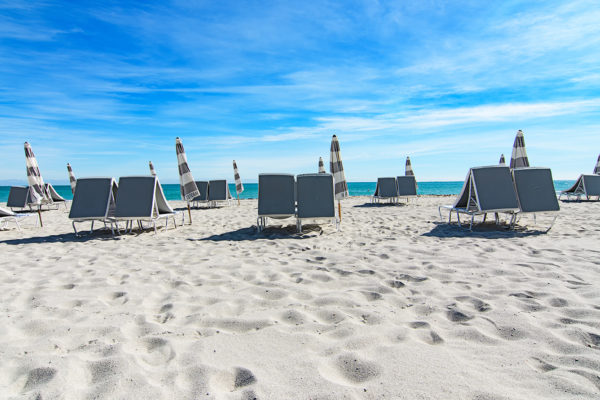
column 40, row 216
column 189, row 212
column 238, row 197
column 340, row 210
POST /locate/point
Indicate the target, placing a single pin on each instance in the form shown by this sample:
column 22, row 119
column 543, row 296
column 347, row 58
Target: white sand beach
column 393, row 306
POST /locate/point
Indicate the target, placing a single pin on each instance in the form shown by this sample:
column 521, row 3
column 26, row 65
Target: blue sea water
column 356, row 189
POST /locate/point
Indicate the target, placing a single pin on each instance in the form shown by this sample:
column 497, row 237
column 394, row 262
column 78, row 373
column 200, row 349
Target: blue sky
column 107, row 86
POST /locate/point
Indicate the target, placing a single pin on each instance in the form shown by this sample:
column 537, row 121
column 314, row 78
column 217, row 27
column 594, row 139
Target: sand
column 393, row 306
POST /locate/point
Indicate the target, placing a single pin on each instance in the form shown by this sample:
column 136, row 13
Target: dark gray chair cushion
column 276, row 194
column 218, row 190
column 386, row 187
column 407, row 186
column 91, row 198
column 135, row 197
column 592, row 185
column 18, row 196
column 535, row 189
column 315, row 196
column 495, row 189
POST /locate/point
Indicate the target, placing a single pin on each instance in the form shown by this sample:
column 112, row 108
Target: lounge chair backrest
column 316, row 197
column 162, row 205
column 592, row 185
column 203, row 189
column 535, row 189
column 18, row 196
column 53, row 193
column 407, row 186
column 135, row 197
column 276, row 194
column 6, row 213
column 218, row 190
column 93, row 198
column 386, row 187
column 488, row 189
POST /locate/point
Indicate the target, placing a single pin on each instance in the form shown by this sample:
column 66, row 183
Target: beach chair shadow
column 272, row 232
column 488, row 230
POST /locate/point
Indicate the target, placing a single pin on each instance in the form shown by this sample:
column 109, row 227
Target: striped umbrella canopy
column 597, row 169
column 321, row 166
column 37, row 189
column 502, row 160
column 72, row 179
column 519, row 154
column 239, row 186
column 337, row 169
column 188, row 187
column 408, row 171
column 152, row 171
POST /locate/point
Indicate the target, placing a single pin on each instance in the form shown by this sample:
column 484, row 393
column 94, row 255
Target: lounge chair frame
column 333, row 220
column 107, row 219
column 579, row 190
column 391, row 199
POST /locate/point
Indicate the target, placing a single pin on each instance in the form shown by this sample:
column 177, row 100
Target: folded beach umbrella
column 519, row 155
column 239, row 186
column 337, row 170
column 408, row 171
column 502, row 160
column 152, row 171
column 37, row 190
column 597, row 169
column 188, row 187
column 321, row 166
column 72, row 179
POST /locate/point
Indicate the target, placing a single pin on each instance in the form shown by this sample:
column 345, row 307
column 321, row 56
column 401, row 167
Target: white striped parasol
column 37, row 190
column 72, row 179
column 152, row 171
column 239, row 186
column 187, row 185
column 502, row 160
column 321, row 166
column 519, row 154
column 408, row 171
column 337, row 170
column 597, row 168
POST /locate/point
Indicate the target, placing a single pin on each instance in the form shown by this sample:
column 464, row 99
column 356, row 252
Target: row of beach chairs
column 498, row 189
column 134, row 199
column 306, row 197
column 586, row 187
column 212, row 193
column 393, row 189
column 19, row 198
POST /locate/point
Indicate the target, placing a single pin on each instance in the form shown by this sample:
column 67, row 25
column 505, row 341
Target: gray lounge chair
column 141, row 199
column 203, row 189
column 7, row 216
column 94, row 200
column 486, row 190
column 316, row 200
column 386, row 189
column 18, row 197
column 535, row 191
column 407, row 186
column 586, row 186
column 218, row 192
column 276, row 197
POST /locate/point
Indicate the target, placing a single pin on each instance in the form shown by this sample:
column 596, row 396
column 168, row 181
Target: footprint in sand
column 349, row 368
column 426, row 334
column 158, row 351
column 37, row 377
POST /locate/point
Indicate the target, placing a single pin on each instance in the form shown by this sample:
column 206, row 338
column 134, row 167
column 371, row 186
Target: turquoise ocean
column 355, row 188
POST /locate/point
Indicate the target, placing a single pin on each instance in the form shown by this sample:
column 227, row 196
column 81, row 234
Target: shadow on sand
column 376, row 205
column 270, row 232
column 486, row 231
column 63, row 237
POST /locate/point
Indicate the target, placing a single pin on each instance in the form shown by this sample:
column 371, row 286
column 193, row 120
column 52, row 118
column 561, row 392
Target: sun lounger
column 386, row 189
column 203, row 189
column 407, row 186
column 218, row 192
column 535, row 191
column 94, row 200
column 316, row 200
column 141, row 199
column 7, row 216
column 276, row 197
column 56, row 198
column 486, row 190
column 18, row 197
column 586, row 186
